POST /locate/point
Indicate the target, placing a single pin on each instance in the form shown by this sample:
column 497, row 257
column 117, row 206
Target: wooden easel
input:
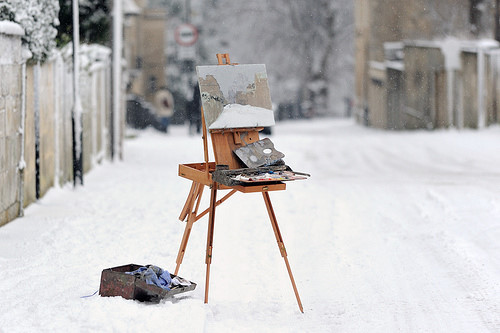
column 223, row 142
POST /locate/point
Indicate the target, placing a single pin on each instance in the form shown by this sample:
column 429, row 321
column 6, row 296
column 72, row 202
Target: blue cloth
column 153, row 275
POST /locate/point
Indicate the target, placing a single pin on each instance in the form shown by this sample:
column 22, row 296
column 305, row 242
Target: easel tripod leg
column 281, row 245
column 210, row 236
column 194, row 197
column 189, row 202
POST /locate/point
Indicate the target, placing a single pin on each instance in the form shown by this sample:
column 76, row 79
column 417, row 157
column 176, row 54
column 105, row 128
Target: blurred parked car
column 140, row 114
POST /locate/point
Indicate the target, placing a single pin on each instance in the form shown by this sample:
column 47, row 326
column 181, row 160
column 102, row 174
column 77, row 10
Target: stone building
column 145, row 42
column 423, row 64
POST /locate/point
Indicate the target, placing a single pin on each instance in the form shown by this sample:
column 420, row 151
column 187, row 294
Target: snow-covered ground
column 394, row 232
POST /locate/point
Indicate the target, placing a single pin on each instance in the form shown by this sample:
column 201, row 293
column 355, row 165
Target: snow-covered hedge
column 38, row 18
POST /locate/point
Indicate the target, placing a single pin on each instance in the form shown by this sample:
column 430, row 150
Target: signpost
column 186, row 34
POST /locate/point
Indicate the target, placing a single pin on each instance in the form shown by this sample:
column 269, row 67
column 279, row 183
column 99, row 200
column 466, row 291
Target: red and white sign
column 186, row 34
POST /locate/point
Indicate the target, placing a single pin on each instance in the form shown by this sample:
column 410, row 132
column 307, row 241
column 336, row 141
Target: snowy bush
column 38, row 18
column 95, row 21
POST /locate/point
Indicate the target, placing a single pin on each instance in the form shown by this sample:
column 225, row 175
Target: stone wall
column 377, row 95
column 480, row 105
column 493, row 88
column 437, row 102
column 395, row 98
column 424, row 66
column 469, row 81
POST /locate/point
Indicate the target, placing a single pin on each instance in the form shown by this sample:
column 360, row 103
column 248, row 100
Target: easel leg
column 189, row 202
column 194, row 196
column 281, row 245
column 210, row 236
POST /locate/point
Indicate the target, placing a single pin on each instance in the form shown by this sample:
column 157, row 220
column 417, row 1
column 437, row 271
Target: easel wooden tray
column 197, row 172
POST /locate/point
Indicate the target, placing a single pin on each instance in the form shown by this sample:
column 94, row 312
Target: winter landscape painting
column 235, row 96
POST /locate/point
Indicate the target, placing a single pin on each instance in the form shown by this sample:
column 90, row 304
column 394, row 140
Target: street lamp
column 76, row 115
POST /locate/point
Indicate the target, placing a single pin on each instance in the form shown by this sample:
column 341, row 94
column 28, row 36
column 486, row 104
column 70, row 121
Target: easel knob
column 221, row 57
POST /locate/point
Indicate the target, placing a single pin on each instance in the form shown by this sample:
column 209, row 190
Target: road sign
column 186, row 34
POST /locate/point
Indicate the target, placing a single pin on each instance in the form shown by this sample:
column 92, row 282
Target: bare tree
column 446, row 20
column 307, row 45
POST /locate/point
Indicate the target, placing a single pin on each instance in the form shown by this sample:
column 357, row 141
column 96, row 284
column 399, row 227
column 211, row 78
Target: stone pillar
column 11, row 63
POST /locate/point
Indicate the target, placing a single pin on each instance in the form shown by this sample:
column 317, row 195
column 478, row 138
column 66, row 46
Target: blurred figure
column 164, row 103
column 194, row 111
column 348, row 106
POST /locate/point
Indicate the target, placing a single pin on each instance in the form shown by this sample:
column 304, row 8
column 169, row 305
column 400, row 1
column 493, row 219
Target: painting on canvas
column 235, row 96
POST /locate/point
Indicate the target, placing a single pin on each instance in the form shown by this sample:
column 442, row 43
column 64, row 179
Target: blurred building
column 144, row 44
column 427, row 64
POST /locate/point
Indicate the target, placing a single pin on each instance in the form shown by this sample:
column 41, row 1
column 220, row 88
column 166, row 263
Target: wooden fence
column 36, row 107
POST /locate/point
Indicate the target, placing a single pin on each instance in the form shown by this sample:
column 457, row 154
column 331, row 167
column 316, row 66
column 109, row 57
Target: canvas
column 235, row 96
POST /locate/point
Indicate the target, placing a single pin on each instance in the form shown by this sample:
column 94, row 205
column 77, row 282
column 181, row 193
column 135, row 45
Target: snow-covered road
column 394, row 232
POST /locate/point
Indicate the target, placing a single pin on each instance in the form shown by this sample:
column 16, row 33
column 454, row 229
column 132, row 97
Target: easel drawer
column 260, row 188
column 197, row 172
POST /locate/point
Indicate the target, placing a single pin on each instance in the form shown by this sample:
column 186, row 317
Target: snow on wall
column 451, row 48
column 38, row 19
column 10, row 39
column 11, row 28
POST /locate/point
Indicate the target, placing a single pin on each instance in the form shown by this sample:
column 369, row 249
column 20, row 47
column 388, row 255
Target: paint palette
column 259, row 153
